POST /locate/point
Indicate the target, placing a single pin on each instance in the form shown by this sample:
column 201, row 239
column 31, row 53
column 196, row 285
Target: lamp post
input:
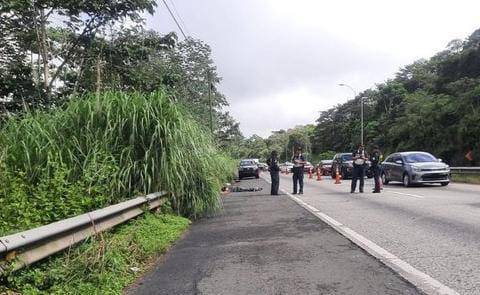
column 361, row 108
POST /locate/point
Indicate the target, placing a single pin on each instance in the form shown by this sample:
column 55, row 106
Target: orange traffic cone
column 337, row 177
column 319, row 174
column 310, row 173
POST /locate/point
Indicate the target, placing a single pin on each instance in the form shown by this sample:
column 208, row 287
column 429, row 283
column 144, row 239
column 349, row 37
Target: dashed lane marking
column 404, row 194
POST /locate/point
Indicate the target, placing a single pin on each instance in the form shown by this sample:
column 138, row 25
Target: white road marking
column 404, row 194
column 419, row 279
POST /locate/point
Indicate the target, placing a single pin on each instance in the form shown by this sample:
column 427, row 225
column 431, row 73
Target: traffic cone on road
column 319, row 174
column 310, row 173
column 337, row 177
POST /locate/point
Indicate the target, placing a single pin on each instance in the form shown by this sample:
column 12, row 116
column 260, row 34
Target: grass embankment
column 105, row 264
column 98, row 151
column 466, row 178
column 94, row 152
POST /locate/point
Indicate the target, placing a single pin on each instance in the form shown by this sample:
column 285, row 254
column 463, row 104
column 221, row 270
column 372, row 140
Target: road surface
column 264, row 244
column 434, row 229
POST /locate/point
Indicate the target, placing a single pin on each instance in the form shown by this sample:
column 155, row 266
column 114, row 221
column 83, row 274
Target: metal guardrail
column 33, row 245
column 465, row 170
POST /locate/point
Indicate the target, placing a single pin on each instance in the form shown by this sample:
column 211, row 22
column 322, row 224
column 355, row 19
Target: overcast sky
column 281, row 61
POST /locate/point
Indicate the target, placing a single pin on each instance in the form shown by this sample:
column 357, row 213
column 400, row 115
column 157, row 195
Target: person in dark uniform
column 359, row 162
column 298, row 163
column 274, row 172
column 375, row 159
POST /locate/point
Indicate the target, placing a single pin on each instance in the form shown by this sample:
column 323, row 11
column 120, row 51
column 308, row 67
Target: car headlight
column 416, row 169
column 447, row 169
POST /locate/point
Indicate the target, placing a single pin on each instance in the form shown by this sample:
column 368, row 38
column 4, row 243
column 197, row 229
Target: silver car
column 415, row 168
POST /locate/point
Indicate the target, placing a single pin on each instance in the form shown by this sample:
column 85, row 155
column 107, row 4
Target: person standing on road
column 359, row 161
column 375, row 160
column 274, row 172
column 298, row 166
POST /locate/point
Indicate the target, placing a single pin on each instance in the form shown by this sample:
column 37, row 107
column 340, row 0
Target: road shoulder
column 264, row 244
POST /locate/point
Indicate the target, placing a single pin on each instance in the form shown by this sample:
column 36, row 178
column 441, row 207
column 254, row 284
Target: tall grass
column 99, row 150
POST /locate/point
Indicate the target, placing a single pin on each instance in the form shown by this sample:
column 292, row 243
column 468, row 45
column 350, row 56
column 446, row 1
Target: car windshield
column 420, row 158
column 247, row 163
column 347, row 157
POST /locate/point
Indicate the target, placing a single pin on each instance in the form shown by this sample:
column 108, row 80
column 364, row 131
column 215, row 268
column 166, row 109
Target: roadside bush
column 102, row 264
column 96, row 151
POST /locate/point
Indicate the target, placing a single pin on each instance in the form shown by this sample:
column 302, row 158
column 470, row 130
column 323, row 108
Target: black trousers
column 358, row 173
column 275, row 178
column 376, row 176
column 297, row 180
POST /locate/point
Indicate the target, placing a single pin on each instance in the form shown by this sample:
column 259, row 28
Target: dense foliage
column 431, row 105
column 51, row 51
column 104, row 264
column 100, row 150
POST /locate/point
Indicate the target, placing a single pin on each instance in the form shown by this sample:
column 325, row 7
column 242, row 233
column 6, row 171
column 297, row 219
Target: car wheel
column 444, row 183
column 385, row 179
column 406, row 180
column 343, row 174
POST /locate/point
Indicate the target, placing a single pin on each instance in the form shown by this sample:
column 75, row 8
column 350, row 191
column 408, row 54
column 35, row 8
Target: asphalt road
column 264, row 244
column 434, row 229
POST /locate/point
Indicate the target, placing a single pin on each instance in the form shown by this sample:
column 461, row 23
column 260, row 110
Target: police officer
column 375, row 159
column 359, row 162
column 298, row 163
column 274, row 172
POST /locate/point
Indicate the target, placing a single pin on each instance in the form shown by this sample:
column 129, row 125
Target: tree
column 429, row 105
column 80, row 22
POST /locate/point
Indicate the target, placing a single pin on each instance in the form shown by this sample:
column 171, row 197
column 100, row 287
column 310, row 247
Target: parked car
column 287, row 166
column 344, row 162
column 307, row 167
column 415, row 168
column 325, row 166
column 248, row 168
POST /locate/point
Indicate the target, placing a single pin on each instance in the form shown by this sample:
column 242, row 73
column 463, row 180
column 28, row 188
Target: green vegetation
column 104, row 264
column 466, row 178
column 53, row 51
column 100, row 150
column 431, row 105
column 283, row 141
column 65, row 151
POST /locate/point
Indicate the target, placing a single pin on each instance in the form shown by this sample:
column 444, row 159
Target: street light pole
column 361, row 108
column 361, row 119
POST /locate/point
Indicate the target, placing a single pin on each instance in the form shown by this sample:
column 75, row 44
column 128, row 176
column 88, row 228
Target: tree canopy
column 431, row 105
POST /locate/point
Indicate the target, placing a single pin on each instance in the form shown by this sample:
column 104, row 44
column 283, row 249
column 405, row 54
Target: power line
column 180, row 17
column 175, row 19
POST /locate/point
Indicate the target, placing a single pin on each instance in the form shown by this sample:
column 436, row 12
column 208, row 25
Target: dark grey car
column 415, row 168
column 248, row 168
